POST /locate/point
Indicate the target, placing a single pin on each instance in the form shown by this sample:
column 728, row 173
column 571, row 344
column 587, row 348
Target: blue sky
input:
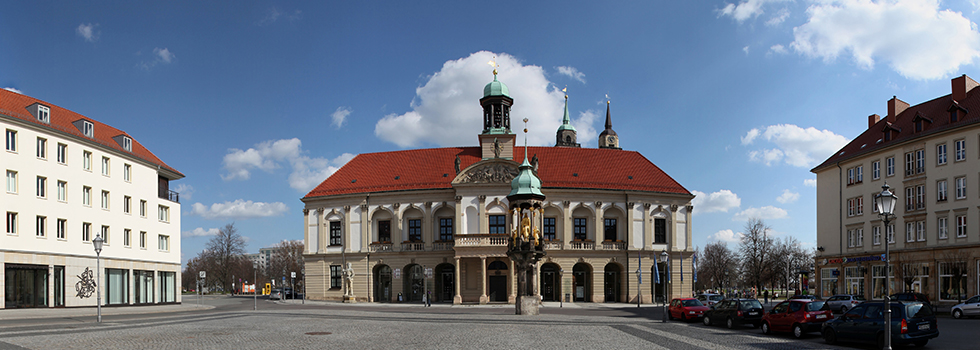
column 257, row 102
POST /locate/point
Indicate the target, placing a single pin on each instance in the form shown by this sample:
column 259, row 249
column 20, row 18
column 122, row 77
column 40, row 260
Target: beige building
column 929, row 154
column 437, row 221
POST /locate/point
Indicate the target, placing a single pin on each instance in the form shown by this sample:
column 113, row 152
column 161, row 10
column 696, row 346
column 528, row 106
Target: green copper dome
column 496, row 88
column 525, row 184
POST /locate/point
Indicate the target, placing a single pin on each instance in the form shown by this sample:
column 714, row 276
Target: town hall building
column 436, row 221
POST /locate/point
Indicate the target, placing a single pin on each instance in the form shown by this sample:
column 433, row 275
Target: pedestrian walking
column 766, row 295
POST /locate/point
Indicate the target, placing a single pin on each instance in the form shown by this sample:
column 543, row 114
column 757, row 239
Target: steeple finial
column 493, row 63
column 565, row 120
column 608, row 116
column 525, row 140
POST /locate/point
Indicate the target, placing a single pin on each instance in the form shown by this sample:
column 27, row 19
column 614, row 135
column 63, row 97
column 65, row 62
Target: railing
column 381, row 247
column 172, row 196
column 613, row 245
column 413, row 247
column 553, row 245
column 580, row 245
column 442, row 245
column 481, row 240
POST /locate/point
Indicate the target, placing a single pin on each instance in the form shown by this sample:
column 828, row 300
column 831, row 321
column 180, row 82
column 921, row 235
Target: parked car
column 737, row 311
column 969, row 308
column 912, row 322
column 276, row 294
column 289, row 294
column 709, row 299
column 911, row 296
column 806, row 297
column 844, row 302
column 799, row 316
column 686, row 309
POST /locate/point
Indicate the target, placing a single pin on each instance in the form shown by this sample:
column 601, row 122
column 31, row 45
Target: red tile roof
column 558, row 167
column 15, row 105
column 936, row 110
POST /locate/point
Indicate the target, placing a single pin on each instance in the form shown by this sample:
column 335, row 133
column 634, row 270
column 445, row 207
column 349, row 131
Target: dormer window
column 918, row 125
column 88, row 129
column 44, row 114
column 953, row 115
column 127, row 143
column 920, row 121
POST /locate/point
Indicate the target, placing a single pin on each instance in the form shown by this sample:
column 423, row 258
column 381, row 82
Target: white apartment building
column 929, row 155
column 68, row 179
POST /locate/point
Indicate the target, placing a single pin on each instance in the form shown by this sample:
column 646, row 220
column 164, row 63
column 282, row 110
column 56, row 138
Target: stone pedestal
column 530, row 304
column 350, row 299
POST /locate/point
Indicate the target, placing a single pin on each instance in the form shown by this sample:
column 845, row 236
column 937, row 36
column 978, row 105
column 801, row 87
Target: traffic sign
column 203, row 273
column 292, row 275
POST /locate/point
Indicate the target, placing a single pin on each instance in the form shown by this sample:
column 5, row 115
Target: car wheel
column 881, row 341
column 684, row 317
column 706, row 320
column 730, row 323
column 843, row 309
column 670, row 315
column 830, row 336
column 921, row 343
column 798, row 331
column 957, row 314
column 765, row 328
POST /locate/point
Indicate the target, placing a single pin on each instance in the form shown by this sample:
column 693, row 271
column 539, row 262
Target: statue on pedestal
column 349, row 280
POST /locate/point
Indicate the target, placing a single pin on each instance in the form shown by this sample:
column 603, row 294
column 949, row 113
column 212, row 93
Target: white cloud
column 778, row 18
column 13, row 90
column 306, row 172
column 571, row 72
column 745, row 9
column 160, row 56
column 722, row 200
column 796, row 146
column 199, row 232
column 788, row 197
column 777, row 49
column 164, row 54
column 726, row 236
column 274, row 14
column 239, row 209
column 185, row 190
column 340, row 116
column 88, row 31
column 810, row 182
column 765, row 213
column 584, row 125
column 445, row 111
column 943, row 40
column 746, row 50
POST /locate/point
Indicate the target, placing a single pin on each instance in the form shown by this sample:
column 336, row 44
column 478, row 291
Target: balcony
column 482, row 240
column 169, row 195
column 413, row 246
column 437, row 246
column 613, row 246
column 553, row 245
column 581, row 245
column 381, row 247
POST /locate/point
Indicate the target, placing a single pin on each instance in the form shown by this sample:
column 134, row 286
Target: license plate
column 821, row 316
column 923, row 327
column 753, row 313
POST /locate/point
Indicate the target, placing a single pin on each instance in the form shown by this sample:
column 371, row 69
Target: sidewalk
column 32, row 313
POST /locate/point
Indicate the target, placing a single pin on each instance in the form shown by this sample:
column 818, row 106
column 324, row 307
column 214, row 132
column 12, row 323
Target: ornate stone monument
column 349, row 284
column 524, row 246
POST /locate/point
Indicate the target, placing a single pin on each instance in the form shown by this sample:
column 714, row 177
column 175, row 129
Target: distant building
column 68, row 179
column 439, row 220
column 929, row 154
column 263, row 257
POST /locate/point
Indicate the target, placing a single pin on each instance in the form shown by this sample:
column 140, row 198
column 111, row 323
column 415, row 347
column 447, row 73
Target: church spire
column 566, row 136
column 608, row 137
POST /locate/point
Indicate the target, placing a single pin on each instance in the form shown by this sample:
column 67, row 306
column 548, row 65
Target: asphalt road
column 232, row 323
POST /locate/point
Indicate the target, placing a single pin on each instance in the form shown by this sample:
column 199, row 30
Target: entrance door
column 382, row 284
column 611, row 283
column 497, row 290
column 414, row 280
column 26, row 286
column 581, row 280
column 549, row 283
column 448, row 291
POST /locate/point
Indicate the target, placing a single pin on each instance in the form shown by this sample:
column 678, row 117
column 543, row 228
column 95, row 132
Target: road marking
column 639, row 333
column 687, row 340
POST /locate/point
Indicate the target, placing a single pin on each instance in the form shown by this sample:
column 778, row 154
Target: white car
column 710, row 299
column 969, row 308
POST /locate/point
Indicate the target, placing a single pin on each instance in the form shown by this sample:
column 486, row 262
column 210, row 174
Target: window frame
column 446, row 229
column 11, row 141
column 105, row 200
column 143, row 240
column 87, row 161
column 62, row 153
column 961, row 226
column 127, row 237
column 86, row 232
column 889, row 166
column 62, row 229
column 42, row 187
column 876, row 235
column 12, row 181
column 941, row 154
column 335, row 233
column 163, row 243
column 414, row 229
column 942, row 232
column 127, row 205
column 960, row 150
column 12, row 223
column 41, row 226
column 42, row 148
column 62, row 191
column 961, row 187
column 497, row 224
column 336, row 274
column 876, row 170
column 106, row 166
column 44, row 114
column 163, row 213
column 942, row 190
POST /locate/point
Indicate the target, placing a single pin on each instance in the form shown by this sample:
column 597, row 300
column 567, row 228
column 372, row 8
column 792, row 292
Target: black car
column 912, row 322
column 735, row 312
column 911, row 296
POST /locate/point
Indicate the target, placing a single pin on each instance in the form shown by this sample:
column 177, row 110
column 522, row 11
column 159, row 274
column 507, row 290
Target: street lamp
column 255, row 281
column 664, row 258
column 639, row 285
column 97, row 243
column 561, row 284
column 885, row 202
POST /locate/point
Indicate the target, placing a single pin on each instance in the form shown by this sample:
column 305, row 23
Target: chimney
column 895, row 107
column 872, row 120
column 962, row 85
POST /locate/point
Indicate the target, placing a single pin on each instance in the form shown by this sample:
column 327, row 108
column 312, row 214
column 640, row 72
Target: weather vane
column 493, row 63
column 565, row 90
column 607, row 98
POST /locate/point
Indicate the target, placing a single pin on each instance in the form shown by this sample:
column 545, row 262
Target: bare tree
column 227, row 255
column 905, row 270
column 757, row 253
column 956, row 262
column 287, row 256
column 787, row 259
column 715, row 265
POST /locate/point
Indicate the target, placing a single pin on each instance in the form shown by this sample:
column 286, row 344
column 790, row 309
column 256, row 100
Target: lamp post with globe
column 885, row 203
column 97, row 243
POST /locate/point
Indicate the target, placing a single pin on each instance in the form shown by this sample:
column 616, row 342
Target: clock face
column 611, row 139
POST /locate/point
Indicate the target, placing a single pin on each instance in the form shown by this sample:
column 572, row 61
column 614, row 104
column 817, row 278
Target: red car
column 798, row 316
column 686, row 309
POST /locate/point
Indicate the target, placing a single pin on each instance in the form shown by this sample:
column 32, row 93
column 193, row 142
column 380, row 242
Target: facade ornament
column 396, row 205
column 347, row 209
column 349, row 280
column 646, row 206
column 598, row 204
column 428, row 205
column 534, row 162
column 306, row 211
column 566, row 204
column 673, row 208
column 482, row 198
column 690, row 208
column 456, row 163
column 490, row 173
column 630, row 205
column 364, row 207
column 459, row 199
column 496, row 148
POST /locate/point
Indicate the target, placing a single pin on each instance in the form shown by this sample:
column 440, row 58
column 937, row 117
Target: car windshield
column 919, row 310
column 716, row 298
column 693, row 302
column 751, row 304
column 817, row 306
column 858, row 298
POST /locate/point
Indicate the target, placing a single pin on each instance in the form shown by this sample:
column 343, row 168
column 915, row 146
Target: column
column 535, row 286
column 511, row 282
column 483, row 280
column 599, row 232
column 484, row 222
column 566, row 226
column 306, row 230
column 457, row 299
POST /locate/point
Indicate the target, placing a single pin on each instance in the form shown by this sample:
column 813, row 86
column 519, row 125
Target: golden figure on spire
column 493, row 63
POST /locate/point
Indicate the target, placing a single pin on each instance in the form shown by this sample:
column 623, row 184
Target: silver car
column 710, row 299
column 844, row 302
column 970, row 308
column 276, row 294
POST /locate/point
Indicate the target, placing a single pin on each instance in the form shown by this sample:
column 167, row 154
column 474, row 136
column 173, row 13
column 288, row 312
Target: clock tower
column 496, row 140
column 608, row 137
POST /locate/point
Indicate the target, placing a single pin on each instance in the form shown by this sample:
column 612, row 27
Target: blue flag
column 682, row 267
column 694, row 265
column 656, row 273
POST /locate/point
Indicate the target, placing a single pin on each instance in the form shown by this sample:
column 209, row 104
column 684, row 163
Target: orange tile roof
column 15, row 105
column 558, row 167
column 935, row 110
